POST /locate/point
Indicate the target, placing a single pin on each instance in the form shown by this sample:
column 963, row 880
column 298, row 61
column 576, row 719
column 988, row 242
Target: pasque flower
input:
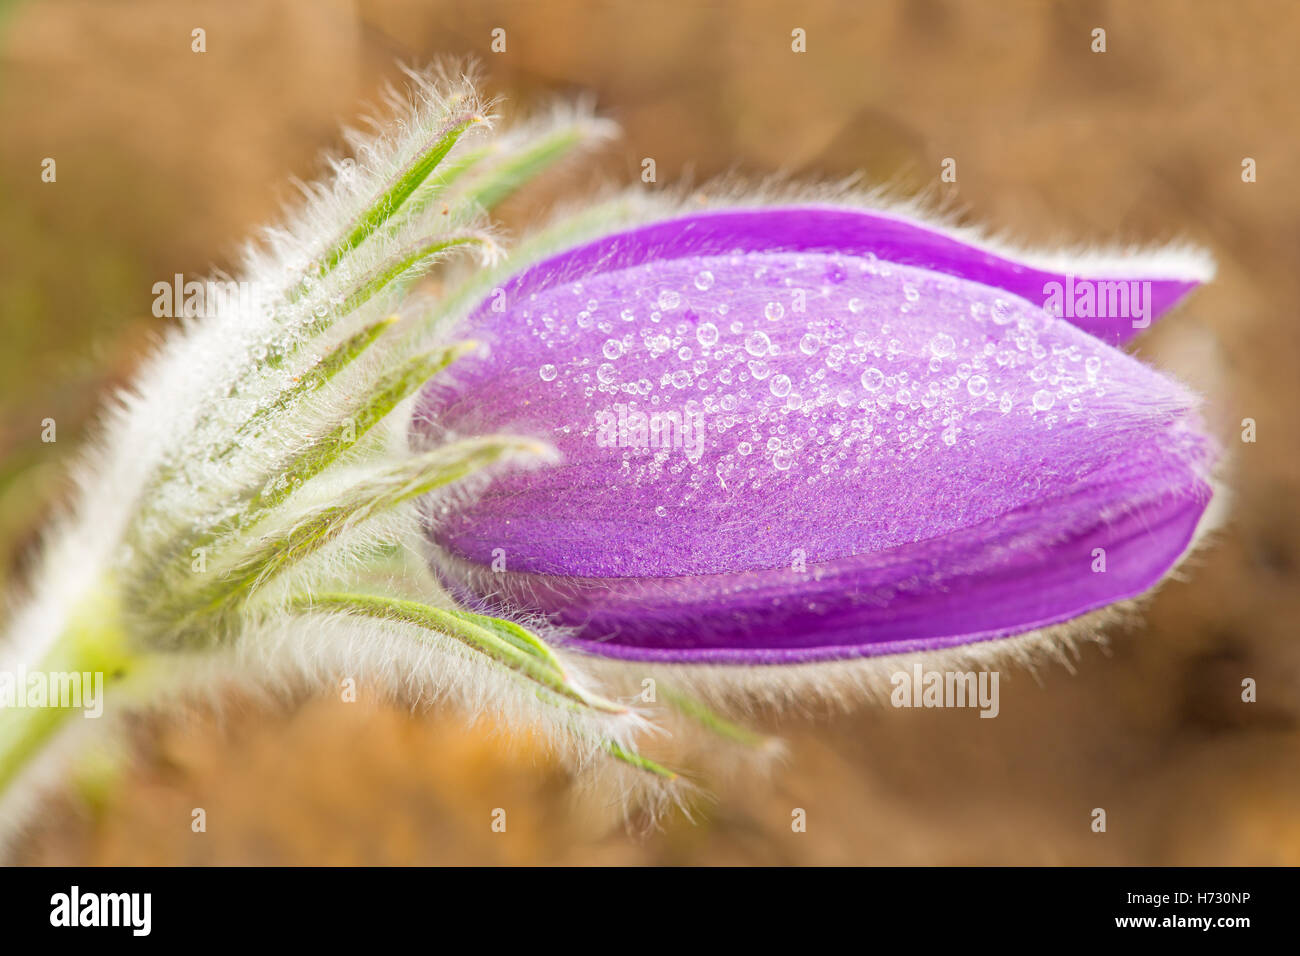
column 809, row 432
column 750, row 434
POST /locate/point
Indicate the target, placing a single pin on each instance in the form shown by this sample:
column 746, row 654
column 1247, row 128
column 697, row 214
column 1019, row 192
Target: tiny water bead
column 707, row 334
column 704, row 280
column 757, row 343
column 942, row 345
column 873, row 379
column 773, row 311
column 548, row 373
column 1043, row 400
column 669, row 300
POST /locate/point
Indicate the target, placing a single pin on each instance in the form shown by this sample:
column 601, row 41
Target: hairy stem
column 94, row 643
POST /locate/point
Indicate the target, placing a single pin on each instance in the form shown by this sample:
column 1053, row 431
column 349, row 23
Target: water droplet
column 780, row 385
column 548, row 372
column 942, row 345
column 757, row 343
column 1043, row 400
column 613, row 349
column 950, row 436
column 1001, row 312
column 605, row 373
column 773, row 311
column 1093, row 365
column 707, row 333
column 809, row 344
column 704, row 280
column 977, row 385
column 669, row 300
column 745, row 448
column 910, row 293
column 873, row 379
column 627, row 315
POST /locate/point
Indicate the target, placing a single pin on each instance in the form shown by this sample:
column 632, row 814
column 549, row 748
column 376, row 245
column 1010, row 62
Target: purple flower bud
column 796, row 434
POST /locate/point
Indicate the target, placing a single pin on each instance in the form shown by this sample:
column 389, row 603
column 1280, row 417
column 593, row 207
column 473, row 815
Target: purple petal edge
column 851, row 232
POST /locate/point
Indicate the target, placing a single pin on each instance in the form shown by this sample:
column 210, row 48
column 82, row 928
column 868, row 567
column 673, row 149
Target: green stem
column 94, row 642
column 711, row 720
column 502, row 646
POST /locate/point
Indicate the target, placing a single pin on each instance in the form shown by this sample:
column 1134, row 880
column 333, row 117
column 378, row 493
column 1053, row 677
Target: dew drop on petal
column 773, row 311
column 669, row 300
column 548, row 372
column 977, row 385
column 780, row 385
column 873, row 379
column 942, row 345
column 704, row 280
column 757, row 343
column 809, row 344
column 605, row 373
column 1043, row 400
column 707, row 333
column 613, row 349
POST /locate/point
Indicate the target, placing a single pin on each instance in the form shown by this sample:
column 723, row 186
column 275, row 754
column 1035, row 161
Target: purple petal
column 914, row 459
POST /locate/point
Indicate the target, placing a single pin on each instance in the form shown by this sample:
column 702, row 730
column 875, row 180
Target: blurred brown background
column 167, row 158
